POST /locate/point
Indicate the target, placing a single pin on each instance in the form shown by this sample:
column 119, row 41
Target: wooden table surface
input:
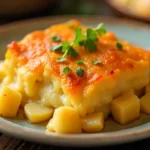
column 11, row 143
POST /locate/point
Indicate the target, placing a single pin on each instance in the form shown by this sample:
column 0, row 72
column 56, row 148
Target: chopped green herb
column 95, row 62
column 81, row 43
column 91, row 38
column 100, row 29
column 87, row 40
column 68, row 50
column 119, row 46
column 80, row 72
column 66, row 70
column 78, row 36
column 61, row 59
column 52, row 35
column 56, row 48
column 80, row 62
column 90, row 45
column 65, row 46
column 55, row 38
column 91, row 34
column 72, row 52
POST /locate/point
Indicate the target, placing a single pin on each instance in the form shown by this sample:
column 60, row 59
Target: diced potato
column 50, row 126
column 9, row 102
column 66, row 120
column 125, row 108
column 145, row 103
column 37, row 113
column 105, row 109
column 93, row 122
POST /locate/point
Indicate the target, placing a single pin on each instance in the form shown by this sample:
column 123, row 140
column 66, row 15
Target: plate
column 134, row 32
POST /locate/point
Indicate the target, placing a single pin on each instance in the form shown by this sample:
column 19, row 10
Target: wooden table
column 98, row 8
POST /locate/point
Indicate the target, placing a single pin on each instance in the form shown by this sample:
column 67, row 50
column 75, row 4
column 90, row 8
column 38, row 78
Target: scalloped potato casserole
column 75, row 77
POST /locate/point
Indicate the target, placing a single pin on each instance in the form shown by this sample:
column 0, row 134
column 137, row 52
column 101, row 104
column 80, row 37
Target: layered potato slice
column 31, row 68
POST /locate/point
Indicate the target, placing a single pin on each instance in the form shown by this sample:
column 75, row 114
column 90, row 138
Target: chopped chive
column 119, row 46
column 56, row 48
column 80, row 62
column 80, row 72
column 55, row 38
column 95, row 62
column 61, row 59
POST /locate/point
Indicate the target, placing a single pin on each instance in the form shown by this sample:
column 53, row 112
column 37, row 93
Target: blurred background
column 13, row 10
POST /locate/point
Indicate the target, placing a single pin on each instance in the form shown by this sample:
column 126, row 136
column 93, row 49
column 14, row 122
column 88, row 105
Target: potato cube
column 145, row 103
column 50, row 126
column 9, row 102
column 125, row 108
column 93, row 123
column 66, row 120
column 37, row 113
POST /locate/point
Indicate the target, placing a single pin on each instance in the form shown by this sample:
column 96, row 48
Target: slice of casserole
column 35, row 68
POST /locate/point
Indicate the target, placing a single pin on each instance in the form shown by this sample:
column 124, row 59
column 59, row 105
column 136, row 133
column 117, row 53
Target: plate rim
column 97, row 139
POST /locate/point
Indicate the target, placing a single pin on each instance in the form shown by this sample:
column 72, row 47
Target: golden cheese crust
column 119, row 70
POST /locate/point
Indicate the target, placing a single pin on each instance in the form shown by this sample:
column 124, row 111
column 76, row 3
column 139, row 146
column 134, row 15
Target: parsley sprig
column 67, row 49
column 87, row 40
column 66, row 70
column 91, row 37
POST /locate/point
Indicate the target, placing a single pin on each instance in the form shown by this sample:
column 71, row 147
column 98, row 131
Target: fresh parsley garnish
column 80, row 72
column 80, row 62
column 100, row 29
column 67, row 49
column 91, row 34
column 66, row 70
column 78, row 36
column 54, row 37
column 61, row 59
column 90, row 45
column 91, row 38
column 95, row 62
column 56, row 48
column 87, row 40
column 119, row 46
